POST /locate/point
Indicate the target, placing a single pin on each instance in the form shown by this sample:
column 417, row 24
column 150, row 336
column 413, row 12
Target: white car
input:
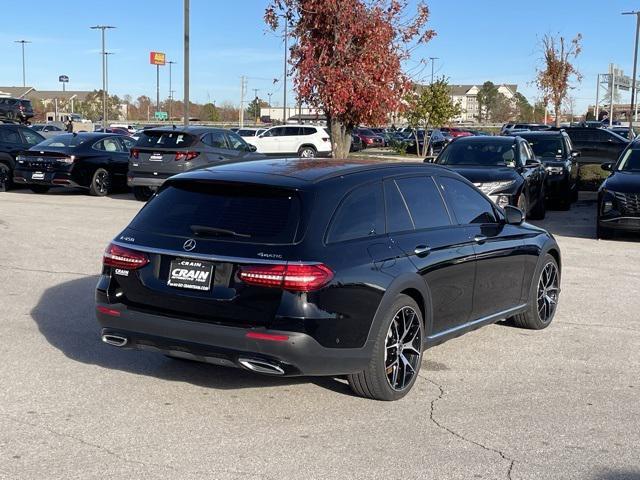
column 250, row 132
column 306, row 141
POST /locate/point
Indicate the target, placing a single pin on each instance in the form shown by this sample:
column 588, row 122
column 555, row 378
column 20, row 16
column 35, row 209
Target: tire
column 377, row 379
column 539, row 315
column 540, row 210
column 307, row 152
column 6, row 182
column 143, row 194
column 39, row 188
column 100, row 183
column 604, row 233
column 523, row 204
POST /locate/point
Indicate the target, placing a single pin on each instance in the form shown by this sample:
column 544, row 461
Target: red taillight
column 135, row 153
column 186, row 156
column 120, row 257
column 368, row 140
column 295, row 277
column 267, row 336
column 108, row 311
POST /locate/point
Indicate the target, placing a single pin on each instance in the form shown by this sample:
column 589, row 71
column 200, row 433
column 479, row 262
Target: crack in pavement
column 460, row 436
column 22, row 269
column 133, row 461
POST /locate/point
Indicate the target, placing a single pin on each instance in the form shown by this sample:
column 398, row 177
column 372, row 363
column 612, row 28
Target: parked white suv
column 305, row 141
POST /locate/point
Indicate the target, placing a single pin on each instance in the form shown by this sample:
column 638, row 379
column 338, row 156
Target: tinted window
column 235, row 142
column 307, row 131
column 360, row 215
column 524, row 153
column 546, row 145
column 424, row 202
column 161, row 139
column 267, row 215
column 10, row 135
column 486, row 153
column 291, row 131
column 398, row 217
column 128, row 142
column 31, row 138
column 630, row 161
column 215, row 139
column 274, row 132
column 468, row 204
column 65, row 140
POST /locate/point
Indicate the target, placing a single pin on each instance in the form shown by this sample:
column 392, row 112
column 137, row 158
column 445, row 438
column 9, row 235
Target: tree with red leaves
column 347, row 57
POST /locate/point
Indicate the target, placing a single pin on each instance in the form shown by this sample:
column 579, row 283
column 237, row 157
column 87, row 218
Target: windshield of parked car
column 545, row 146
column 488, row 153
column 66, row 140
column 630, row 161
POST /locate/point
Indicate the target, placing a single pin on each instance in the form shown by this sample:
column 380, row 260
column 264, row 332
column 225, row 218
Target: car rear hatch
column 44, row 161
column 163, row 152
column 200, row 239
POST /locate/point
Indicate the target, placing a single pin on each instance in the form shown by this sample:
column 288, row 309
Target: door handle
column 422, row 250
column 480, row 238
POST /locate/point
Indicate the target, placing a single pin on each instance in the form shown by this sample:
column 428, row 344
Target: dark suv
column 596, row 145
column 15, row 110
column 555, row 150
column 14, row 139
column 163, row 152
column 300, row 267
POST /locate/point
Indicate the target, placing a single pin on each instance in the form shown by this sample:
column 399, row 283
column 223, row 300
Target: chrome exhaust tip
column 261, row 366
column 115, row 340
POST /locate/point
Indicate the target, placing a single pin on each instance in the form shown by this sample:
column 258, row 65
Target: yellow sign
column 157, row 58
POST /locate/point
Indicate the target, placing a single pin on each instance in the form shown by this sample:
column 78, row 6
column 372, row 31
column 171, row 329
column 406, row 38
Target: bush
column 398, row 146
column 591, row 176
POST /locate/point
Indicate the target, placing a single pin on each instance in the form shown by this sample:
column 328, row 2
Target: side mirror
column 575, row 153
column 251, row 148
column 608, row 166
column 513, row 215
column 532, row 163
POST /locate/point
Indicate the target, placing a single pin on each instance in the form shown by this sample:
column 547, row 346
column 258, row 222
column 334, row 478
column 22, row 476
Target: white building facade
column 467, row 97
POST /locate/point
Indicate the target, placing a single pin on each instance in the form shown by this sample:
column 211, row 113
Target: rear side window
column 165, row 139
column 256, row 214
column 398, row 217
column 307, row 131
column 215, row 139
column 469, row 205
column 10, row 135
column 360, row 215
column 424, row 202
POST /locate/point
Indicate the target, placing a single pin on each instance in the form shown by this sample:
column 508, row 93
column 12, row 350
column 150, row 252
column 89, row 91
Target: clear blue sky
column 476, row 41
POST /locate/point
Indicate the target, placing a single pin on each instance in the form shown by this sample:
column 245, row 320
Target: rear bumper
column 54, row 179
column 148, row 180
column 299, row 354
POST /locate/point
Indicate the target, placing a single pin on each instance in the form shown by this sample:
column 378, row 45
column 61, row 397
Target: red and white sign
column 157, row 58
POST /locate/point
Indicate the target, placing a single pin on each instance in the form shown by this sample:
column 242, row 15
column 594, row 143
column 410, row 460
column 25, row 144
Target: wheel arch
column 307, row 145
column 7, row 160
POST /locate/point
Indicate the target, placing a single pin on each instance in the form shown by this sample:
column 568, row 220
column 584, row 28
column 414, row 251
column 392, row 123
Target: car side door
column 238, row 148
column 217, row 149
column 498, row 247
column 291, row 140
column 270, row 141
column 423, row 230
column 533, row 175
column 572, row 161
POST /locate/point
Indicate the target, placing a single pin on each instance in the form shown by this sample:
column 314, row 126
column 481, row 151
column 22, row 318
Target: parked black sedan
column 619, row 194
column 96, row 162
column 504, row 168
column 297, row 267
column 555, row 150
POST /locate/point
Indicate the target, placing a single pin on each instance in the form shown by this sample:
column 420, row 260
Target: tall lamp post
column 635, row 65
column 433, row 62
column 186, row 62
column 106, row 67
column 104, row 73
column 24, row 76
column 170, row 62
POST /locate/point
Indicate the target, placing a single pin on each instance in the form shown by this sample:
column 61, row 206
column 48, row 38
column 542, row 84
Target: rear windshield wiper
column 216, row 232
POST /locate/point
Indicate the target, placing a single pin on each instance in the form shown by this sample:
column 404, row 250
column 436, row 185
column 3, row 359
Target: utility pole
column 24, row 76
column 597, row 109
column 106, row 69
column 157, row 88
column 170, row 62
column 635, row 65
column 241, row 111
column 104, row 74
column 286, row 51
column 612, row 70
column 186, row 62
column 433, row 62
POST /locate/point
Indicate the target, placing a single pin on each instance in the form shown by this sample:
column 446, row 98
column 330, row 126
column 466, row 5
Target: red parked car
column 456, row 132
column 369, row 138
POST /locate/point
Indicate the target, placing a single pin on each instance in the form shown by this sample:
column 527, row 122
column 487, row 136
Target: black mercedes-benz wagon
column 322, row 267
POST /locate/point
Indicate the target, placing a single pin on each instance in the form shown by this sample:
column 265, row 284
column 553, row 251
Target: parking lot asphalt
column 498, row 403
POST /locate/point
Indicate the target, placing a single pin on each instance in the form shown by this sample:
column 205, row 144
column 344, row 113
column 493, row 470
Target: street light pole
column 284, row 103
column 635, row 66
column 186, row 62
column 106, row 68
column 170, row 62
column 433, row 61
column 104, row 73
column 24, row 76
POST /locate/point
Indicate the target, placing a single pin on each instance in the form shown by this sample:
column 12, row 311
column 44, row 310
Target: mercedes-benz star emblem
column 189, row 245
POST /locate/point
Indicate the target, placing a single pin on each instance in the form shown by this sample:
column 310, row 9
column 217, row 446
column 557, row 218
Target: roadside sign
column 63, row 78
column 161, row 116
column 157, row 58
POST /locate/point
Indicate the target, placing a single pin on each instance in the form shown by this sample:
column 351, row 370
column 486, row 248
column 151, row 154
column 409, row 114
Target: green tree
column 253, row 109
column 209, row 113
column 430, row 106
column 524, row 108
column 487, row 98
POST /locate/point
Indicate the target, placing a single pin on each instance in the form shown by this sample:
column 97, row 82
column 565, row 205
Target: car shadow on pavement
column 618, row 475
column 579, row 221
column 119, row 194
column 65, row 317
